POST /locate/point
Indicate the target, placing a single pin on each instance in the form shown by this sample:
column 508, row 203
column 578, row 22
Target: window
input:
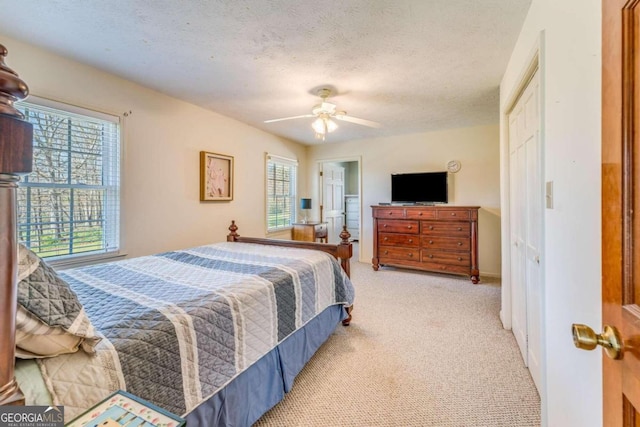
column 281, row 192
column 70, row 203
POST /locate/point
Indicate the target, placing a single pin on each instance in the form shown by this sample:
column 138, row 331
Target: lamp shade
column 305, row 203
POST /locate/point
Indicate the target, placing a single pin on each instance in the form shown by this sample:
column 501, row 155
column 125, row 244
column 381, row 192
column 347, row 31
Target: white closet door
column 517, row 203
column 533, row 227
column 526, row 225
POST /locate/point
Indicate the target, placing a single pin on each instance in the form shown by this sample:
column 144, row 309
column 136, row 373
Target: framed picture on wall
column 216, row 177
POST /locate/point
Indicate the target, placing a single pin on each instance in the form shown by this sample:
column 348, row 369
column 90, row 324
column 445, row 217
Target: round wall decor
column 454, row 166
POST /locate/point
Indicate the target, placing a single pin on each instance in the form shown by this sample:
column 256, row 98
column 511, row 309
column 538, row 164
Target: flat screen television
column 420, row 188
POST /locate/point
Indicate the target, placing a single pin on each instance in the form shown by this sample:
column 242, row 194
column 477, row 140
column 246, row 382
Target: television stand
column 441, row 238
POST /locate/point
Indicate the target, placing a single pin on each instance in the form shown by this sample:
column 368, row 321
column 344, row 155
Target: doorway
column 340, row 197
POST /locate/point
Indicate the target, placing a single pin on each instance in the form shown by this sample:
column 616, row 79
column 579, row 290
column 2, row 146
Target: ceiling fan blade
column 357, row 121
column 289, row 118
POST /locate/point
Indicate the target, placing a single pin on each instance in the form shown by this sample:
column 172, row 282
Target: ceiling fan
column 324, row 113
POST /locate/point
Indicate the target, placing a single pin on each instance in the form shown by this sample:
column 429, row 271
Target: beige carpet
column 422, row 350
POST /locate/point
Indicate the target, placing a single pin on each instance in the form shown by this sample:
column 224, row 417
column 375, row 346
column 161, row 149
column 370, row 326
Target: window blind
column 281, row 192
column 70, row 203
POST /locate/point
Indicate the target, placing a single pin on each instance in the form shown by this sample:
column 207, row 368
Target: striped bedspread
column 180, row 325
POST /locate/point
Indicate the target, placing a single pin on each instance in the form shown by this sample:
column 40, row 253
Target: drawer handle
column 385, row 225
column 410, row 240
column 386, row 238
column 420, row 214
column 410, row 255
column 459, row 228
column 386, row 252
column 431, row 227
column 431, row 242
column 409, row 227
column 459, row 243
column 459, row 258
column 453, row 214
column 390, row 213
column 430, row 256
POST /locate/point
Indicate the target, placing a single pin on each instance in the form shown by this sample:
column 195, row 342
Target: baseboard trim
column 487, row 274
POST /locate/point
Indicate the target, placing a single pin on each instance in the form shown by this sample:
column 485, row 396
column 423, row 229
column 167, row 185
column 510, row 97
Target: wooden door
column 526, row 225
column 333, row 200
column 621, row 207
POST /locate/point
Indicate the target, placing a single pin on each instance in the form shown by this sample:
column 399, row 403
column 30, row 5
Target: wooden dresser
column 430, row 238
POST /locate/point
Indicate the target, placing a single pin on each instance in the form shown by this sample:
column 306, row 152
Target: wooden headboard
column 16, row 155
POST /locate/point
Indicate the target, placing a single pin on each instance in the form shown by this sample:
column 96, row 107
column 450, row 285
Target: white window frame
column 111, row 184
column 293, row 191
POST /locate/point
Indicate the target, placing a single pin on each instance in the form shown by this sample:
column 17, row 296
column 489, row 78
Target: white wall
column 162, row 139
column 571, row 80
column 477, row 183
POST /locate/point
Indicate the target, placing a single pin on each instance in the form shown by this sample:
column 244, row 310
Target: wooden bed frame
column 16, row 156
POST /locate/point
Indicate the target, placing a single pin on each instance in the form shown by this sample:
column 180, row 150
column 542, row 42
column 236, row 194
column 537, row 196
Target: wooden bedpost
column 345, row 252
column 16, row 154
column 232, row 236
column 345, row 249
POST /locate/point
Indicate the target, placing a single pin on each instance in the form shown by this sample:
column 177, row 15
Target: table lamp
column 305, row 204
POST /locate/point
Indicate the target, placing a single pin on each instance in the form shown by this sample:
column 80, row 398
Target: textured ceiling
column 411, row 65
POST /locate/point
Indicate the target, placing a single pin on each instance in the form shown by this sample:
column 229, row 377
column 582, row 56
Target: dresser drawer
column 421, row 214
column 352, row 210
column 453, row 214
column 390, row 226
column 391, row 239
column 444, row 268
column 453, row 258
column 447, row 243
column 407, row 254
column 321, row 231
column 449, row 228
column 389, row 213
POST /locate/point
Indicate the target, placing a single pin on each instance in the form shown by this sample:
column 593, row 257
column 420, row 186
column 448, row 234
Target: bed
column 216, row 334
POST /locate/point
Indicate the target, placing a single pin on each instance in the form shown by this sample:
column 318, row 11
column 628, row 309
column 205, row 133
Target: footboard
column 343, row 251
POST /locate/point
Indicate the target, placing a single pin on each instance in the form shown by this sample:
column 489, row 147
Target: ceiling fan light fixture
column 331, row 125
column 318, row 126
column 324, row 125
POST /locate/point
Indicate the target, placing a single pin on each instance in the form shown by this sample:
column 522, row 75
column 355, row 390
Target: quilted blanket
column 180, row 325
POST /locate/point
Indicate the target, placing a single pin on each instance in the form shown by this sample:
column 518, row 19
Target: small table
column 309, row 231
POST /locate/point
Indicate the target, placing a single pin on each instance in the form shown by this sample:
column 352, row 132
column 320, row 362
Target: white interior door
column 526, row 225
column 517, row 202
column 333, row 199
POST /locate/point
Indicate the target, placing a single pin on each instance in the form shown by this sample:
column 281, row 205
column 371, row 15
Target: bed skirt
column 260, row 387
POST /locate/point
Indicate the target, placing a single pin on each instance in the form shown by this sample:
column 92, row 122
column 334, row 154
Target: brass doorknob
column 585, row 338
